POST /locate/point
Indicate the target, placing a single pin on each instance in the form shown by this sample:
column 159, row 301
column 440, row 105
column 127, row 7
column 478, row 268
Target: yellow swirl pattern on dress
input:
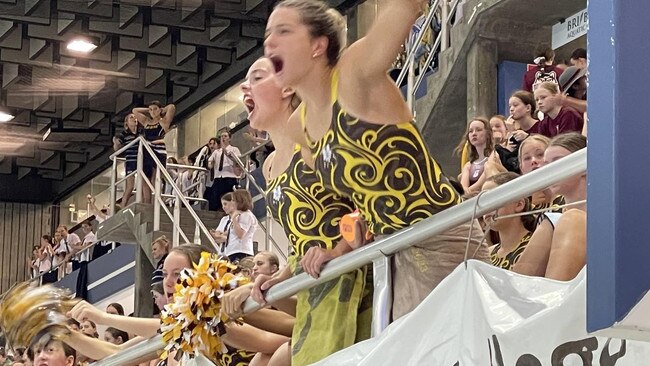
column 386, row 171
column 509, row 260
column 235, row 357
column 307, row 211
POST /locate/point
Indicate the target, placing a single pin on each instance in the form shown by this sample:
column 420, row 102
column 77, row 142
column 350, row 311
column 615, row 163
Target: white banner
column 572, row 28
column 484, row 315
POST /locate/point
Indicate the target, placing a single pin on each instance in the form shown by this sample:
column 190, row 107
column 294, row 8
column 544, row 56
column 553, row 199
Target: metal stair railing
column 158, row 202
column 447, row 10
column 488, row 201
column 266, row 227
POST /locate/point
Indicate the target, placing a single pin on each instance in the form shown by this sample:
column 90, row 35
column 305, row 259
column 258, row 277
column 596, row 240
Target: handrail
column 255, row 149
column 410, row 55
column 187, row 167
column 65, row 262
column 266, row 228
column 491, row 200
column 179, row 194
column 488, row 201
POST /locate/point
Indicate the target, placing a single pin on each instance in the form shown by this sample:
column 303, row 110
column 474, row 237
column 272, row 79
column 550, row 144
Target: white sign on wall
column 572, row 28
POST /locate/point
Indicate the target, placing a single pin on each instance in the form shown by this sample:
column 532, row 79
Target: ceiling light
column 5, row 117
column 81, row 45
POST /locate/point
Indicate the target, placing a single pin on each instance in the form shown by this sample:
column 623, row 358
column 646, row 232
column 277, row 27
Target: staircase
column 134, row 225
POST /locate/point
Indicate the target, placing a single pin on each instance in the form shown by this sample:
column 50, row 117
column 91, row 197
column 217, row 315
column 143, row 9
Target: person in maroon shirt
column 545, row 70
column 558, row 119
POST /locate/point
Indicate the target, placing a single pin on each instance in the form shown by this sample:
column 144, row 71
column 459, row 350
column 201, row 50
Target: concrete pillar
column 143, row 306
column 618, row 273
column 482, row 62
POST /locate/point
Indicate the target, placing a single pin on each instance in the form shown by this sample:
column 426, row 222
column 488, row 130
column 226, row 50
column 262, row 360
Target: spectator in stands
column 558, row 119
column 220, row 234
column 47, row 255
column 61, row 252
column 100, row 214
column 73, row 242
column 522, row 115
column 89, row 328
column 156, row 121
column 49, row 351
column 505, row 146
column 159, row 250
column 289, row 180
column 514, row 232
column 531, row 157
column 73, row 324
column 543, row 71
column 242, row 227
column 159, row 298
column 265, row 263
column 573, row 84
column 579, row 58
column 115, row 336
column 225, row 169
column 131, row 132
column 202, row 161
column 479, row 137
column 259, row 137
column 115, row 308
column 33, row 262
column 557, row 249
column 179, row 258
column 89, row 239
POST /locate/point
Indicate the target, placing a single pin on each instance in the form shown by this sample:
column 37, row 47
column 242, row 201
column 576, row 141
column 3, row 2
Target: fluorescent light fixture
column 5, row 117
column 81, row 45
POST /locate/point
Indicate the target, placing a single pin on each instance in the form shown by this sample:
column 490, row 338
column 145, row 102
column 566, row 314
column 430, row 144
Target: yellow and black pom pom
column 193, row 322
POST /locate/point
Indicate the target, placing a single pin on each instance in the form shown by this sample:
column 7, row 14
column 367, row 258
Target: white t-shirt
column 224, row 224
column 228, row 169
column 248, row 223
column 84, row 256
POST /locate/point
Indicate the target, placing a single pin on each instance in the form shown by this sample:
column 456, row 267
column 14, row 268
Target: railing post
column 176, row 222
column 382, row 298
column 444, row 24
column 248, row 177
column 113, row 189
column 410, row 85
column 157, row 199
column 140, row 173
column 267, row 232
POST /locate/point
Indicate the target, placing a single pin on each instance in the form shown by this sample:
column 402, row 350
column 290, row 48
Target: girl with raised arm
column 335, row 314
column 361, row 134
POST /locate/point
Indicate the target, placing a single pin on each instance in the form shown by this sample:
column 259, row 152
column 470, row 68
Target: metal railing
column 488, row 201
column 39, row 278
column 179, row 199
column 447, row 10
column 250, row 180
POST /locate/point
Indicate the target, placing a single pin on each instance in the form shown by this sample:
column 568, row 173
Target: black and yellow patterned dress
column 335, row 314
column 389, row 175
column 235, row 357
column 509, row 260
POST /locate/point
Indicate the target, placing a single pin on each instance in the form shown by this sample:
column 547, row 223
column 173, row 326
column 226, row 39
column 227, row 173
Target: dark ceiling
column 176, row 51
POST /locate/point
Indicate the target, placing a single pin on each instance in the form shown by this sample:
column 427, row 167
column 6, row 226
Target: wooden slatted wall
column 21, row 227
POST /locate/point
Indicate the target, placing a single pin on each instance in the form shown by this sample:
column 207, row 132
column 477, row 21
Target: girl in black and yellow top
column 361, row 133
column 333, row 315
column 514, row 232
column 156, row 121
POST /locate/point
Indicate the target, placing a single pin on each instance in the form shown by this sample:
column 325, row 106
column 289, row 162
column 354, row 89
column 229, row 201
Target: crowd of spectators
column 541, row 235
column 544, row 234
